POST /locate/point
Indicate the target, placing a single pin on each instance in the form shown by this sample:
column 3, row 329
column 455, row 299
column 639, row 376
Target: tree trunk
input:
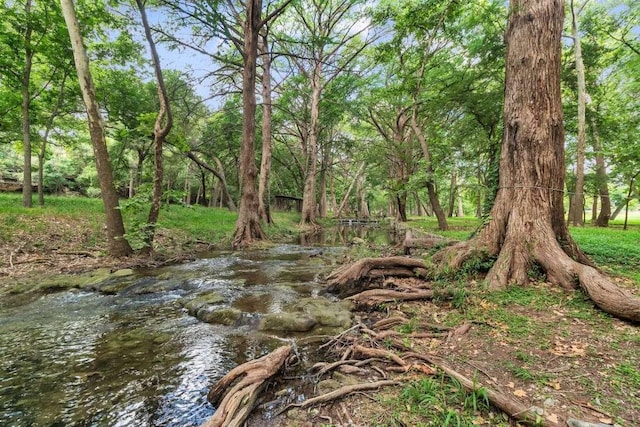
column 460, row 212
column 248, row 226
column 628, row 199
column 309, row 192
column 363, row 207
column 161, row 129
column 601, row 179
column 118, row 244
column 225, row 197
column 527, row 223
column 576, row 214
column 45, row 139
column 264, row 210
column 27, row 187
column 452, row 192
column 594, row 209
column 431, row 187
column 345, row 199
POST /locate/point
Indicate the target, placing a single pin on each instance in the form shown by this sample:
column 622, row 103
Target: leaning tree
column 527, row 224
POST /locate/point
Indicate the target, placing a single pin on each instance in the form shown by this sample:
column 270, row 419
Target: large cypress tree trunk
column 248, row 226
column 118, row 245
column 527, row 224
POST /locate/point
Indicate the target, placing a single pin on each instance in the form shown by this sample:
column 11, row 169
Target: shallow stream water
column 137, row 358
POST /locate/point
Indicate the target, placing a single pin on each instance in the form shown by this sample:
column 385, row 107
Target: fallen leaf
column 478, row 421
column 553, row 418
column 511, row 385
column 605, row 420
column 520, row 393
column 555, row 386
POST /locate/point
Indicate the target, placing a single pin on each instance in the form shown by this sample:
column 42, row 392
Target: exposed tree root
column 374, row 297
column 354, row 278
column 514, row 262
column 238, row 402
column 341, row 392
column 510, row 405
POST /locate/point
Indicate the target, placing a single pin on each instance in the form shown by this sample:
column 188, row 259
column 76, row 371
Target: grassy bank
column 78, row 219
column 613, row 249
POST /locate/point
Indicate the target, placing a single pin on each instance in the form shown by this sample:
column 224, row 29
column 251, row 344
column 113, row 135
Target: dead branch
column 238, row 402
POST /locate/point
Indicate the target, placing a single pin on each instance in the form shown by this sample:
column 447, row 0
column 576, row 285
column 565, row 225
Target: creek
column 134, row 355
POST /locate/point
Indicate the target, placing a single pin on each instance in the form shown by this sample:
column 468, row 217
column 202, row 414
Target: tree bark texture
column 264, row 210
column 431, row 186
column 601, row 179
column 161, row 129
column 527, row 223
column 118, row 244
column 309, row 192
column 576, row 214
column 248, row 226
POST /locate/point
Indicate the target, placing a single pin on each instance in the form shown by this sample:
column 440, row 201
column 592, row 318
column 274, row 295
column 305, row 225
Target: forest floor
column 547, row 348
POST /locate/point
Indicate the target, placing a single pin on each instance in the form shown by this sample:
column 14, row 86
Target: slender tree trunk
column 431, row 187
column 453, row 184
column 345, row 199
column 45, row 139
column 594, row 209
column 460, row 212
column 224, row 197
column 576, row 214
column 187, row 185
column 527, row 220
column 27, row 186
column 363, row 207
column 322, row 183
column 248, row 226
column 602, row 180
column 618, row 209
column 161, row 129
column 118, row 244
column 309, row 192
column 264, row 209
column 628, row 199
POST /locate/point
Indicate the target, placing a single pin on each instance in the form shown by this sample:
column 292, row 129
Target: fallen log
column 237, row 403
column 352, row 279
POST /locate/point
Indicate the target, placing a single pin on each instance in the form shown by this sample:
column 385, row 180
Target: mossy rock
column 223, row 316
column 325, row 312
column 196, row 304
column 287, row 322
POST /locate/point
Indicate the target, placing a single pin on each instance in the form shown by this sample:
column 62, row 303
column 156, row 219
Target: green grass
column 614, row 249
column 182, row 223
column 439, row 401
